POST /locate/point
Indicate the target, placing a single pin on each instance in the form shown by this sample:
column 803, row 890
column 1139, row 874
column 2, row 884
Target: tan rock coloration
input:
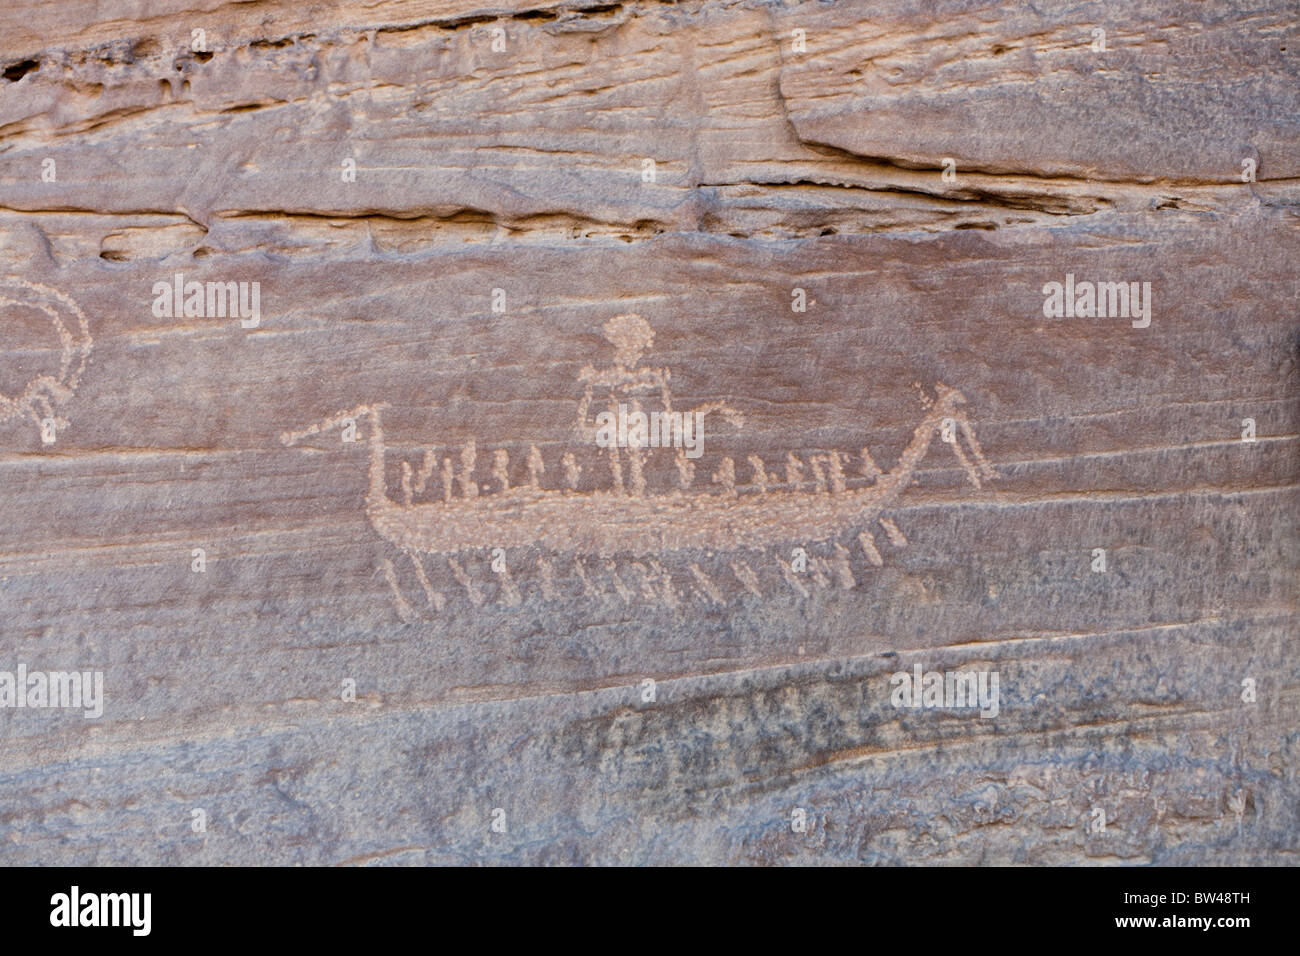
column 306, row 316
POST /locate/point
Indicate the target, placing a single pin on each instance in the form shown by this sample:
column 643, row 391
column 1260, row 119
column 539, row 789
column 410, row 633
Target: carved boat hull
column 606, row 524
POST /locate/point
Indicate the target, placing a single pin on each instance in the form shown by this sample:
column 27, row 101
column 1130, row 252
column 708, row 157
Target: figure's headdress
column 630, row 335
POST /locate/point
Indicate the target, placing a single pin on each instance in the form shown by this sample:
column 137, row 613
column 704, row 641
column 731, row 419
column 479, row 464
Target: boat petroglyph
column 626, row 520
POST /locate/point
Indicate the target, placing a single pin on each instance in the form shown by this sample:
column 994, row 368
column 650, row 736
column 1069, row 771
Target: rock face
column 983, row 320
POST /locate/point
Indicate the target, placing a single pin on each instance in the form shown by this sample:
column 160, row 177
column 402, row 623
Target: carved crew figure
column 622, row 383
column 626, row 384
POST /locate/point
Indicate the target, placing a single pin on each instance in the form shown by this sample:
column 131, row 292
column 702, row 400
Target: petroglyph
column 843, row 570
column 510, row 595
column 709, row 589
column 626, row 521
column 546, row 578
column 404, row 609
column 50, row 388
column 792, row 579
column 746, row 576
column 464, row 580
column 623, row 591
column 869, row 548
column 589, row 588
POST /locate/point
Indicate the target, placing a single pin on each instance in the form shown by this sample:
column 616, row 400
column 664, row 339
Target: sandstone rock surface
column 827, row 216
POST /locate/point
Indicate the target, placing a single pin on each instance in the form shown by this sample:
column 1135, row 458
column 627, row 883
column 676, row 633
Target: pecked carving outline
column 618, row 521
column 44, row 393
